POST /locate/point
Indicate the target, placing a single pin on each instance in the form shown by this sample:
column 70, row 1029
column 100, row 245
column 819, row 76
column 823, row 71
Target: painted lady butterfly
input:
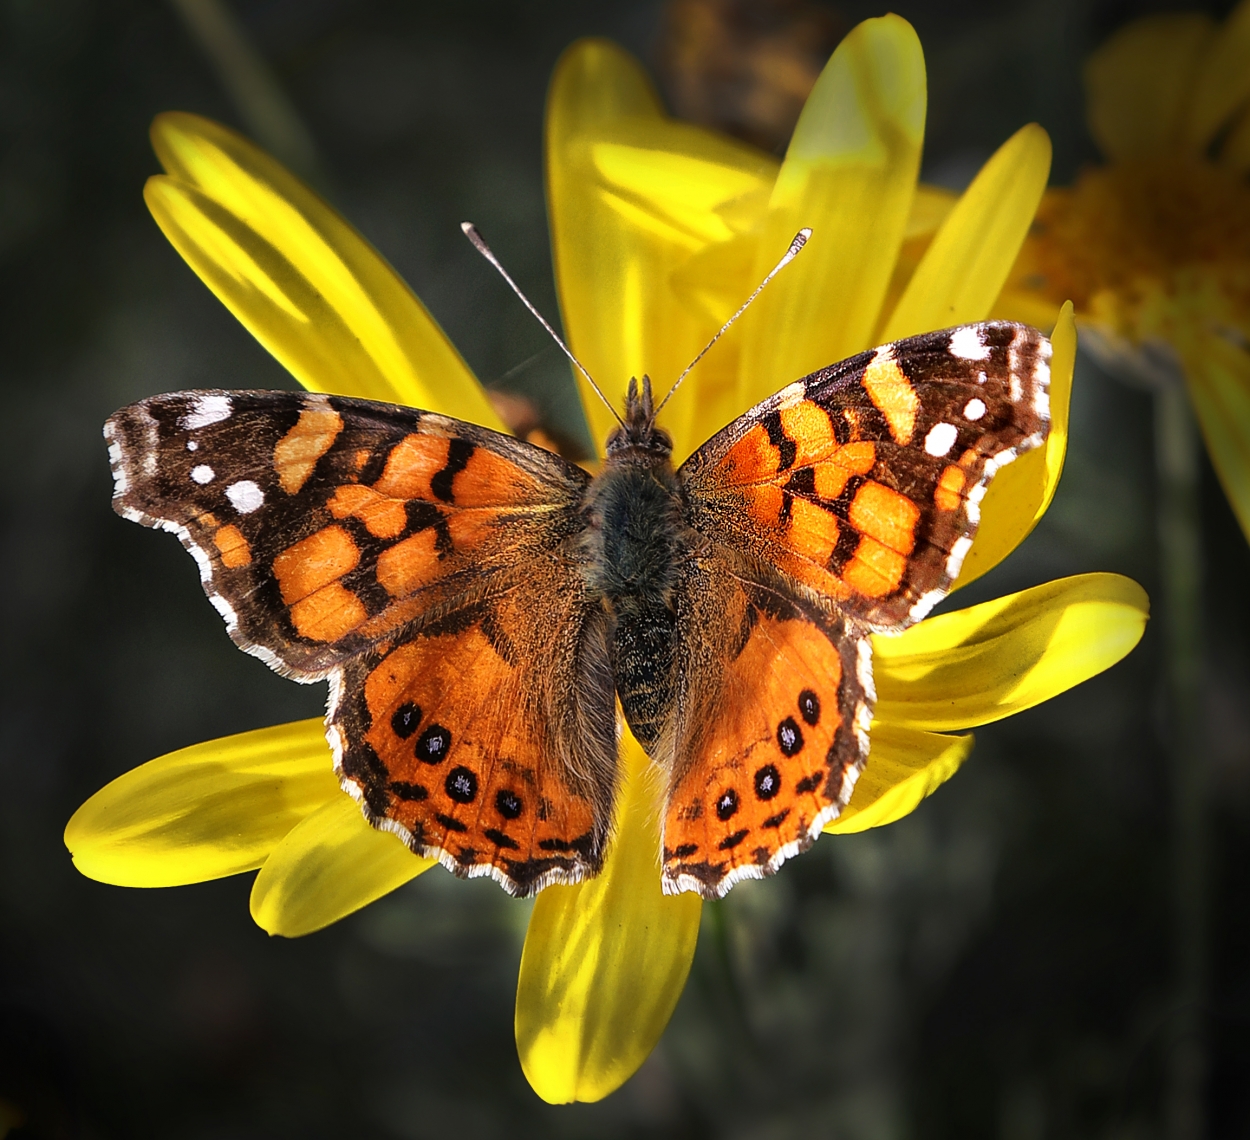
column 478, row 604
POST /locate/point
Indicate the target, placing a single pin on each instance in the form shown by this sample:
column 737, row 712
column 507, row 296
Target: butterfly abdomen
column 638, row 544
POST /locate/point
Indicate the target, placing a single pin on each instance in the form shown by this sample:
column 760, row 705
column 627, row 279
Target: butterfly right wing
column 422, row 566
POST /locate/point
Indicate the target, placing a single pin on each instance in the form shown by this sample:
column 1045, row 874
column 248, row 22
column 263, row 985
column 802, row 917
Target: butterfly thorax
column 636, row 547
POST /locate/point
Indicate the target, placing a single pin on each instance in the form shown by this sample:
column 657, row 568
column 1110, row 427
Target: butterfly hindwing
column 862, row 483
column 412, row 560
column 770, row 726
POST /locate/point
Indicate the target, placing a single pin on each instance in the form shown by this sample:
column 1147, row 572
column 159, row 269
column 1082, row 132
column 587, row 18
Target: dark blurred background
column 999, row 964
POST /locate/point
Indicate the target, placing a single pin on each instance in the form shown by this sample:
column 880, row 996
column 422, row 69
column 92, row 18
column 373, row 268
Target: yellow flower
column 660, row 229
column 1154, row 246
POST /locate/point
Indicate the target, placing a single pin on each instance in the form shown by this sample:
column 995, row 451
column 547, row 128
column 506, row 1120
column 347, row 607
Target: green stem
column 1180, row 540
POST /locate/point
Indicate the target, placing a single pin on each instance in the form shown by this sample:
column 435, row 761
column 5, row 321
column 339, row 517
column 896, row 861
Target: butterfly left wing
column 422, row 565
column 843, row 505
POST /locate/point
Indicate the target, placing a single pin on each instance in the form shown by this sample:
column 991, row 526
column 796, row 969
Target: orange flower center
column 1134, row 239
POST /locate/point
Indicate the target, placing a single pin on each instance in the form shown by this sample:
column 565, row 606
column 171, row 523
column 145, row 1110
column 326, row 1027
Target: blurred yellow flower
column 659, row 229
column 1154, row 246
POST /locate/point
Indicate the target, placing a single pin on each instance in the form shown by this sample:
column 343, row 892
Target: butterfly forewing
column 862, row 482
column 407, row 558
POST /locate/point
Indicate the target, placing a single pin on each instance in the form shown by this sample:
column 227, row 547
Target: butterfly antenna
column 479, row 243
column 800, row 240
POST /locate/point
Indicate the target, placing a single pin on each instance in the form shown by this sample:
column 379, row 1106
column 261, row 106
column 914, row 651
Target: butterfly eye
column 809, row 707
column 406, row 719
column 767, row 782
column 727, row 805
column 789, row 738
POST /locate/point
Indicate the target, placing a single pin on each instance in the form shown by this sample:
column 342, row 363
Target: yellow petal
column 1219, row 386
column 606, row 960
column 929, row 209
column 903, row 767
column 1021, row 492
column 849, row 175
column 631, row 195
column 299, row 277
column 987, row 662
column 330, row 865
column 967, row 263
column 1136, row 84
column 204, row 812
column 1222, row 84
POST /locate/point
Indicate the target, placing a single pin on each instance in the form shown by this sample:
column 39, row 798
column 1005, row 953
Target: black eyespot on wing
column 508, row 804
column 809, row 707
column 434, row 744
column 461, row 785
column 767, row 782
column 789, row 738
column 726, row 804
column 406, row 720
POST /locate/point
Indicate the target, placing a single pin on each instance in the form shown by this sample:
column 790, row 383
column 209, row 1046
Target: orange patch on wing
column 296, row 453
column 412, row 463
column 893, row 394
column 470, row 528
column 314, row 562
column 232, row 547
column 409, row 565
column 813, row 531
column 886, row 516
column 809, row 426
column 753, row 459
column 328, row 613
column 383, row 517
column 874, row 570
column 488, row 480
column 849, row 459
column 949, row 491
column 763, row 504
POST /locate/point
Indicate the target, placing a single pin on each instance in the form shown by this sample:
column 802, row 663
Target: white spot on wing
column 245, row 496
column 955, row 560
column 967, row 344
column 863, row 721
column 121, row 484
column 972, row 504
column 192, row 445
column 863, row 668
column 207, row 410
column 203, row 474
column 941, row 439
column 974, row 409
column 925, row 603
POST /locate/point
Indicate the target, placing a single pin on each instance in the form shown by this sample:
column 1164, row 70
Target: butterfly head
column 638, row 434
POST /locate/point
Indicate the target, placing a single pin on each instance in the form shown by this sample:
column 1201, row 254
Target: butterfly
column 479, row 605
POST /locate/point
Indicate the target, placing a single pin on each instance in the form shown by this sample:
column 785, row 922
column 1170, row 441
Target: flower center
column 1135, row 238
